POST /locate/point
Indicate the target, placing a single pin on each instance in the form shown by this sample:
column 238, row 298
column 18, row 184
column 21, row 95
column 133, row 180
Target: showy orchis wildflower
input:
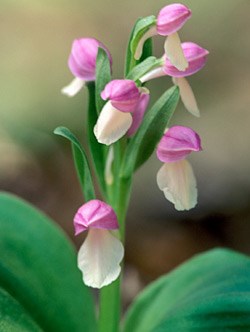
column 170, row 19
column 124, row 97
column 176, row 178
column 196, row 57
column 82, row 63
column 101, row 253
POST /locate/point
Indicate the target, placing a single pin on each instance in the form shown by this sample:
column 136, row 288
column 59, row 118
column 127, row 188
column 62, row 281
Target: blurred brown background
column 35, row 41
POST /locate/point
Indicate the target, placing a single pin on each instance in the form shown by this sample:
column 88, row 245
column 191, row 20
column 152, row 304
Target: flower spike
column 82, row 63
column 101, row 253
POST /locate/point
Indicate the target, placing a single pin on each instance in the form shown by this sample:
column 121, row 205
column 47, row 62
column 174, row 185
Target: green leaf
column 141, row 27
column 38, row 269
column 81, row 163
column 130, row 62
column 103, row 76
column 98, row 151
column 142, row 68
column 210, row 292
column 13, row 317
column 142, row 145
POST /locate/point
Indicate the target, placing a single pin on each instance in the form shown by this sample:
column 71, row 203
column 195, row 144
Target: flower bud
column 82, row 59
column 196, row 57
column 177, row 143
column 123, row 94
column 171, row 18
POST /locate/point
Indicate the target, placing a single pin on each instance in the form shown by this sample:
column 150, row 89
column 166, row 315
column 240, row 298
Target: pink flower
column 82, row 63
column 115, row 118
column 171, row 18
column 196, row 57
column 101, row 253
column 176, row 178
column 177, row 143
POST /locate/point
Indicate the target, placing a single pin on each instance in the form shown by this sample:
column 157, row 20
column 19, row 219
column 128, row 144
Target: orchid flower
column 82, row 63
column 115, row 118
column 170, row 19
column 196, row 57
column 176, row 178
column 101, row 253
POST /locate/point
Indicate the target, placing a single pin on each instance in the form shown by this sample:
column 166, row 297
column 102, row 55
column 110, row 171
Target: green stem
column 110, row 296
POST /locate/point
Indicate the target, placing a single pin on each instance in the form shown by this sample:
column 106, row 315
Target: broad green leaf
column 38, row 268
column 13, row 317
column 81, row 163
column 141, row 27
column 103, row 76
column 142, row 68
column 210, row 292
column 98, row 151
column 142, row 145
column 130, row 62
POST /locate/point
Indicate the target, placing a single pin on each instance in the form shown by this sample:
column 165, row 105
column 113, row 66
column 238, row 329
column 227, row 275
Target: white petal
column 108, row 167
column 187, row 95
column 150, row 33
column 178, row 183
column 99, row 258
column 174, row 52
column 111, row 124
column 73, row 88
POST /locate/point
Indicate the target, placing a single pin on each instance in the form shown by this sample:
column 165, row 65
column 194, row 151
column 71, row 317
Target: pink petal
column 123, row 94
column 194, row 54
column 95, row 214
column 99, row 258
column 178, row 183
column 82, row 59
column 139, row 113
column 171, row 18
column 177, row 143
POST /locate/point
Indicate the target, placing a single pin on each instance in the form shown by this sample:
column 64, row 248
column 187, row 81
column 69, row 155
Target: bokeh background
column 35, row 41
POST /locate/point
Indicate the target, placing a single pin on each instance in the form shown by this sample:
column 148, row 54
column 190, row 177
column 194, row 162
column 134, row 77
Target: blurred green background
column 35, row 41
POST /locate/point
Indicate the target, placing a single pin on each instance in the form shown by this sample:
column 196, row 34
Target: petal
column 123, row 94
column 95, row 214
column 187, row 95
column 99, row 258
column 154, row 73
column 171, row 18
column 174, row 52
column 178, row 183
column 139, row 113
column 177, row 143
column 111, row 124
column 73, row 88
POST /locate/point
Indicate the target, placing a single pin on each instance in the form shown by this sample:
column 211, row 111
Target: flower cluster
column 125, row 105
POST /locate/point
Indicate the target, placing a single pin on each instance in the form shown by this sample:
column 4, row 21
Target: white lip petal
column 73, row 88
column 187, row 95
column 99, row 258
column 112, row 124
column 174, row 52
column 178, row 183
